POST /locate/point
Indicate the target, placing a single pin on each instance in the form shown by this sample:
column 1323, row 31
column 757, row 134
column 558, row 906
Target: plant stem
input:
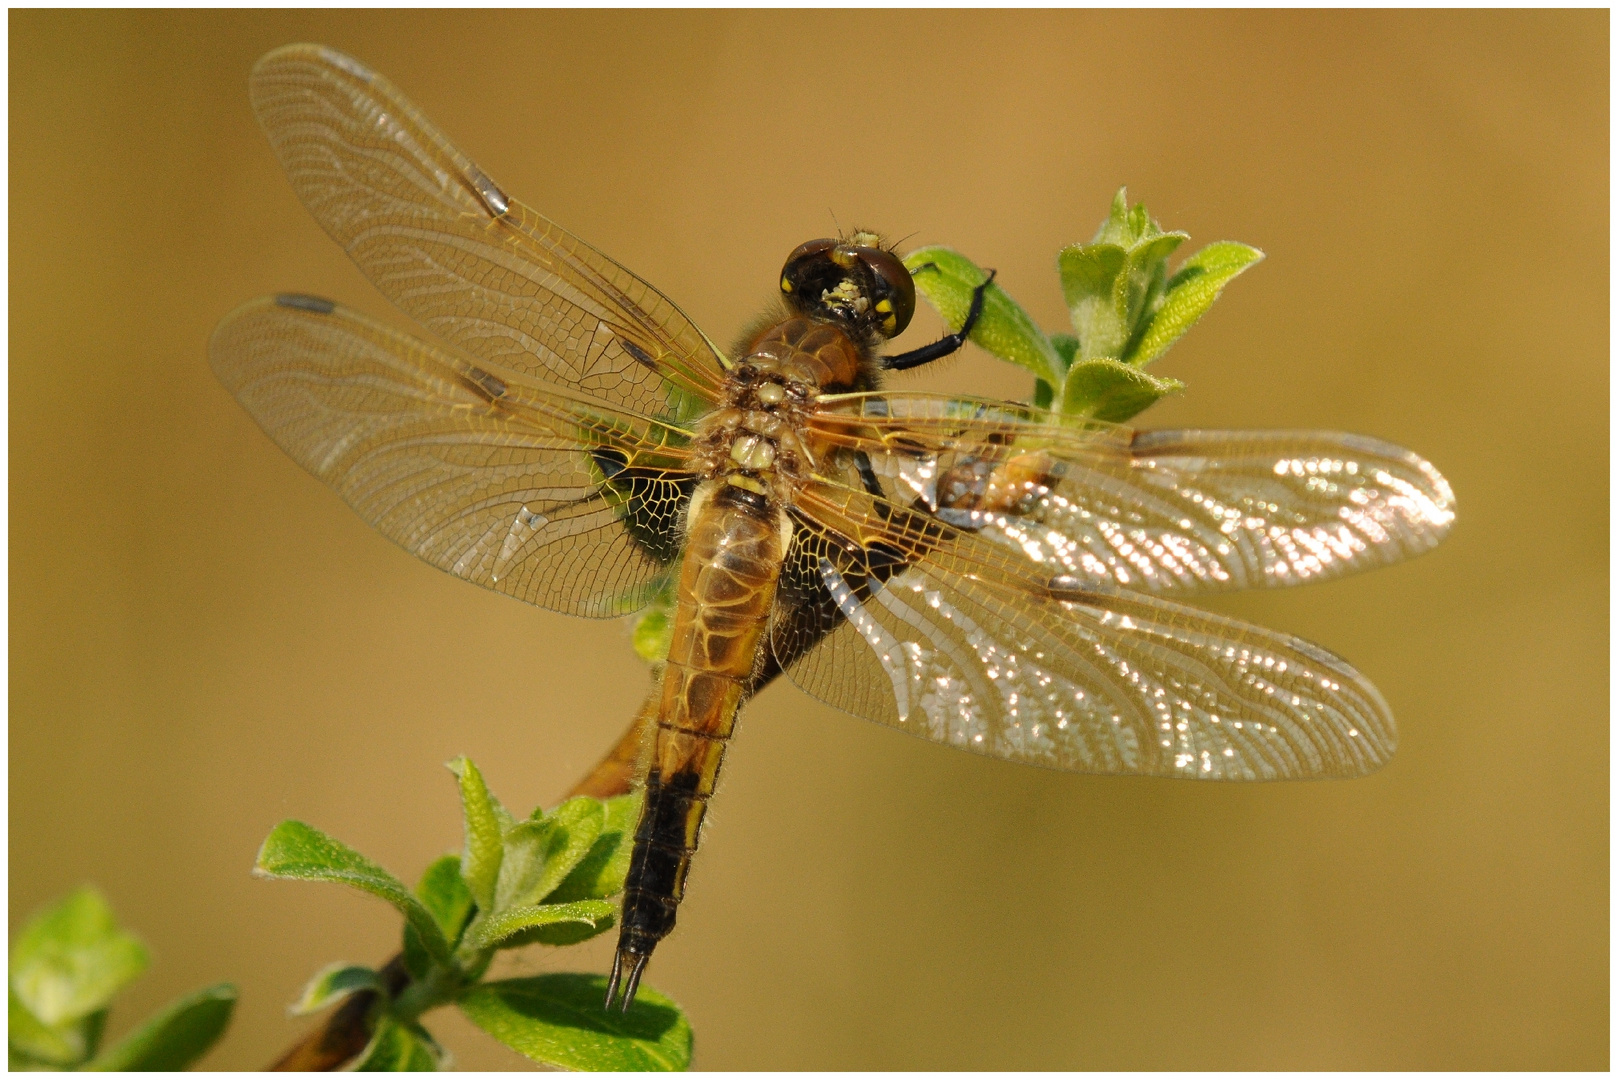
column 346, row 1030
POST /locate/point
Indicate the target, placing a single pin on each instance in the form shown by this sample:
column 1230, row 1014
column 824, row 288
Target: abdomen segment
column 727, row 586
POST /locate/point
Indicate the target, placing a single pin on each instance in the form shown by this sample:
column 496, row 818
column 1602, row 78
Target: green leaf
column 1113, row 284
column 562, row 934
column 1066, row 346
column 1091, row 284
column 397, row 1047
column 417, row 960
column 946, row 278
column 333, row 982
column 1119, row 228
column 654, row 627
column 1115, row 229
column 1126, row 226
column 298, row 852
column 521, row 866
column 174, row 1038
column 1189, row 293
column 486, row 823
column 494, row 931
column 1109, row 390
column 443, row 892
column 559, row 1020
column 654, row 630
column 32, row 1045
column 1146, row 272
column 71, row 959
column 575, row 826
column 552, row 846
column 602, row 871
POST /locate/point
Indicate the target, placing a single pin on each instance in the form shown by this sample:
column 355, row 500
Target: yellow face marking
column 786, row 286
column 884, row 306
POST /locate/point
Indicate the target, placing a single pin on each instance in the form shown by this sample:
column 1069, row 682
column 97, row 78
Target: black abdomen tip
column 319, row 305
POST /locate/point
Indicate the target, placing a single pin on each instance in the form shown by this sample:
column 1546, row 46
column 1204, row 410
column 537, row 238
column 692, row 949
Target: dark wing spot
column 651, row 502
column 488, row 192
column 316, row 304
column 483, row 384
column 641, row 356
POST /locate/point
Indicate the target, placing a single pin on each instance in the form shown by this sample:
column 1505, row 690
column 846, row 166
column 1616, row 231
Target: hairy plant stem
column 346, row 1030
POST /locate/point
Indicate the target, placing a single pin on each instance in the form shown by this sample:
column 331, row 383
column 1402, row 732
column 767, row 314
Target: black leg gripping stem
column 946, row 344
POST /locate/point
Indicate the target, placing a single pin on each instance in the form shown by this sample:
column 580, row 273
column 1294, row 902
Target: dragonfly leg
column 947, row 344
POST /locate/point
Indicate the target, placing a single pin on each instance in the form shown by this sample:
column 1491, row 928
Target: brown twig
column 346, row 1030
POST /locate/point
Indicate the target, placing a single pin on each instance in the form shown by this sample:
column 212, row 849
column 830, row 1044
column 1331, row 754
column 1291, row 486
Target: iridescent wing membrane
column 983, row 574
column 979, row 573
column 532, row 493
column 536, row 453
column 443, row 242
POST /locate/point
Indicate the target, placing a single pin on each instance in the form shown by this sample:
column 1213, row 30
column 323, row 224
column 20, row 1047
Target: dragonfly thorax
column 755, row 442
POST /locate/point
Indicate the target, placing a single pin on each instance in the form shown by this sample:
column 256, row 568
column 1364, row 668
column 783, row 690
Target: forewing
column 474, row 265
column 520, row 490
column 893, row 616
column 1165, row 512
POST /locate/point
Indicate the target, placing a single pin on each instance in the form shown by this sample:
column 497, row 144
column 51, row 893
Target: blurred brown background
column 204, row 640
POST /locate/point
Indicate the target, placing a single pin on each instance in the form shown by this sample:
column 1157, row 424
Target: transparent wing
column 895, row 616
column 1165, row 512
column 475, row 266
column 521, row 490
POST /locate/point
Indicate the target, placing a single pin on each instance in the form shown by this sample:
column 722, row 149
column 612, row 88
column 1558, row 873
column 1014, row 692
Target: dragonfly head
column 855, row 282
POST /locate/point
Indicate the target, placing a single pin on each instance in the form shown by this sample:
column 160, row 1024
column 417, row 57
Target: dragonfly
column 983, row 574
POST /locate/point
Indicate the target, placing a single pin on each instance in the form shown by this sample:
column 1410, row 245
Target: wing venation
column 518, row 489
column 452, row 249
column 947, row 635
column 1164, row 512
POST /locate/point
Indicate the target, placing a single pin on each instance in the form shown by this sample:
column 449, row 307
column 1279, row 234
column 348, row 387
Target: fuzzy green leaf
column 1109, row 390
column 494, row 931
column 1113, row 284
column 443, row 892
column 602, row 871
column 575, row 827
column 1188, row 295
column 946, row 278
column 1146, row 273
column 558, row 1020
column 397, row 1047
column 1066, row 346
column 521, row 866
column 1121, row 227
column 560, row 935
column 70, row 960
column 333, row 982
column 486, row 823
column 299, row 852
column 1091, row 284
column 175, row 1038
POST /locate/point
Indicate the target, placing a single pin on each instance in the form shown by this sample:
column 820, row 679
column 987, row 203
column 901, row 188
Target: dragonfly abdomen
column 727, row 586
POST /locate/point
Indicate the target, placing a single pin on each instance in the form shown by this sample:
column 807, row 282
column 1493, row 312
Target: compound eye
column 802, row 263
column 894, row 294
